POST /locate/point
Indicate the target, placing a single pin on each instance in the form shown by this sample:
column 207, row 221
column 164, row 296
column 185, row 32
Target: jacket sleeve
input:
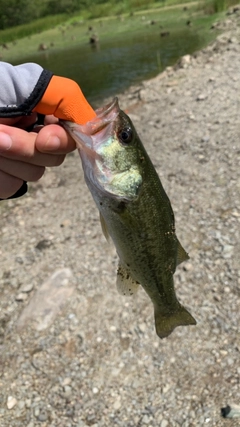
column 22, row 87
column 28, row 87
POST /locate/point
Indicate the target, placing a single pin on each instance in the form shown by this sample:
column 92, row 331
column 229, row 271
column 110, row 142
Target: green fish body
column 135, row 211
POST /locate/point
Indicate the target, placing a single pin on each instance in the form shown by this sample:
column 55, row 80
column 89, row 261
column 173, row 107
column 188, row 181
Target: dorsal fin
column 126, row 285
column 181, row 254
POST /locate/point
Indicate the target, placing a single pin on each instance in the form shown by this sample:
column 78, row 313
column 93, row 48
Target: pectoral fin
column 126, row 285
column 104, row 228
column 181, row 254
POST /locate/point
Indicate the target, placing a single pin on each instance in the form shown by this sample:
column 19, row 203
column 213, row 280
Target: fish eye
column 125, row 135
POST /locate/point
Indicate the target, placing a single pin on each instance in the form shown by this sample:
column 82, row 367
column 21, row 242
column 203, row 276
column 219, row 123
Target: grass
column 102, row 10
column 36, row 27
column 59, row 35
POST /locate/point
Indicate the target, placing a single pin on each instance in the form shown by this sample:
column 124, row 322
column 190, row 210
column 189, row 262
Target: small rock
column 164, row 423
column 65, row 223
column 67, row 390
column 11, row 402
column 21, row 297
column 228, row 251
column 185, row 61
column 36, row 411
column 201, row 97
column 205, row 138
column 142, row 327
column 43, row 416
column 117, row 404
column 26, row 288
column 232, row 40
column 91, row 419
column 43, row 244
column 66, row 381
column 145, row 419
column 187, row 266
column 28, row 403
column 70, row 412
column 21, row 404
column 81, row 424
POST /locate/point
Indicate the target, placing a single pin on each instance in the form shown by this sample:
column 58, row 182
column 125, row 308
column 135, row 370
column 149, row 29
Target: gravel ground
column 74, row 352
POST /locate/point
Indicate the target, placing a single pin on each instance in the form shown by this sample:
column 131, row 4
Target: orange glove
column 64, row 98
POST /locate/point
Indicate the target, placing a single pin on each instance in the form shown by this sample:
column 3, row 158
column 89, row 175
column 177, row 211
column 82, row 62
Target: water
column 116, row 64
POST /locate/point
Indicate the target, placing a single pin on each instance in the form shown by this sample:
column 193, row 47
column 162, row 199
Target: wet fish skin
column 135, row 211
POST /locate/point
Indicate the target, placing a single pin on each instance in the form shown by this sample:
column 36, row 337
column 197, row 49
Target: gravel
column 82, row 355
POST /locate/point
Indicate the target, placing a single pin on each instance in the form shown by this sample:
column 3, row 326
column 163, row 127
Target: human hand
column 24, row 155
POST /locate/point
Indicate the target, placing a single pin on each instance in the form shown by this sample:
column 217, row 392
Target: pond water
column 116, row 64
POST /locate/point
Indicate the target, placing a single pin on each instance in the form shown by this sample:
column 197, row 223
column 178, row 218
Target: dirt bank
column 99, row 362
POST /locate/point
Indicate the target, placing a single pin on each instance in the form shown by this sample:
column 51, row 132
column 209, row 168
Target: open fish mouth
column 105, row 115
column 101, row 127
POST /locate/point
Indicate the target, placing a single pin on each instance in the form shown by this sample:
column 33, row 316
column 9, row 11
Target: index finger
column 53, row 139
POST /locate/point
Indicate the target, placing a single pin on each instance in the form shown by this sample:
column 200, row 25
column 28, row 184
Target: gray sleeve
column 17, row 83
column 21, row 88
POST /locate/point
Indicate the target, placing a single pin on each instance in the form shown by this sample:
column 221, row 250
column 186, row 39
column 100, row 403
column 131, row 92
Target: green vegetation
column 35, row 27
column 61, row 30
column 75, row 30
column 19, row 12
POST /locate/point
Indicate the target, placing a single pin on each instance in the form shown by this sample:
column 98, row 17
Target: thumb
column 64, row 98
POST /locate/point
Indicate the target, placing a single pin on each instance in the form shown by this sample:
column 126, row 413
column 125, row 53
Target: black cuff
column 21, row 191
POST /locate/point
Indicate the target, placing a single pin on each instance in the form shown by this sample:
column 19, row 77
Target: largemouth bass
column 134, row 211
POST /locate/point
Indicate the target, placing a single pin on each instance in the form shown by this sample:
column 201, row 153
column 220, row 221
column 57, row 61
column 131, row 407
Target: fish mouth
column 87, row 136
column 105, row 115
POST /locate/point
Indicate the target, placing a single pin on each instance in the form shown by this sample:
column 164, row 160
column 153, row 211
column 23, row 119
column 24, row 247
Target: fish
column 135, row 211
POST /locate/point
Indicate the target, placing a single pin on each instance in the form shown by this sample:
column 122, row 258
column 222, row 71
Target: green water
column 117, row 63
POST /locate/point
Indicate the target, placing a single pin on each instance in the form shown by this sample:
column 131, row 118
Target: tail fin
column 165, row 323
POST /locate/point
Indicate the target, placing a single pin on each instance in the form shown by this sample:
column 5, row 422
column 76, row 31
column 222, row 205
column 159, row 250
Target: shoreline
column 228, row 28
